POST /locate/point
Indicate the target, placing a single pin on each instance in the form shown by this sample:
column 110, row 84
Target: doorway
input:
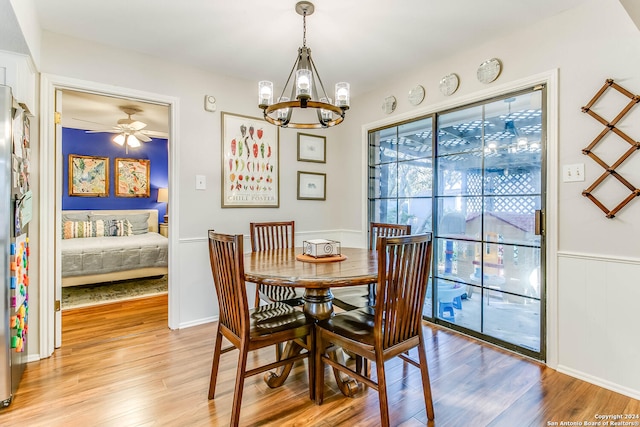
column 52, row 188
column 106, row 141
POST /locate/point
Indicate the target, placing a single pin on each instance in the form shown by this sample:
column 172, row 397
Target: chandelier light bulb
column 303, row 83
column 342, row 94
column 265, row 93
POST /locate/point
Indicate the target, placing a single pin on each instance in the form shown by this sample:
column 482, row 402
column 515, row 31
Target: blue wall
column 76, row 141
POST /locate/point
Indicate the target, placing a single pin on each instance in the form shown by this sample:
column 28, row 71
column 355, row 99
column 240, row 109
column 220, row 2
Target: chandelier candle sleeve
column 326, row 114
column 303, row 83
column 265, row 93
column 342, row 94
column 283, row 112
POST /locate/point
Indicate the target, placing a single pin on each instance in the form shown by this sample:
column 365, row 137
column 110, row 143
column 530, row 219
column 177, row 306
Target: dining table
column 317, row 276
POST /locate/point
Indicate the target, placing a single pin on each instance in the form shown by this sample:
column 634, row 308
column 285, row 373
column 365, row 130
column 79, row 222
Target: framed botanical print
column 250, row 163
column 132, row 177
column 312, row 186
column 88, row 176
column 312, row 148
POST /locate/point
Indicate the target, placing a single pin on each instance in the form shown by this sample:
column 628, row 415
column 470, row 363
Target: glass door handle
column 539, row 226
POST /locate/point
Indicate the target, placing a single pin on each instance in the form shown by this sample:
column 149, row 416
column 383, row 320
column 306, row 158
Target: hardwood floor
column 120, row 365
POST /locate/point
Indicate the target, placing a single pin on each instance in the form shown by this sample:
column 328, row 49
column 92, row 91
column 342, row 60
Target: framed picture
column 88, row 176
column 312, row 148
column 132, row 177
column 250, row 163
column 311, row 186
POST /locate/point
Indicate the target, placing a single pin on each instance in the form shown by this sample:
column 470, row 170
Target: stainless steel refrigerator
column 15, row 206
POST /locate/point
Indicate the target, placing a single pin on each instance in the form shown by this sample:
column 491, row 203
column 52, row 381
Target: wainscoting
column 599, row 301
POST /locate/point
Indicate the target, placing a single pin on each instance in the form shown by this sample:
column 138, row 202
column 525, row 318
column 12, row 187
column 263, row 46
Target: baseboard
column 634, row 394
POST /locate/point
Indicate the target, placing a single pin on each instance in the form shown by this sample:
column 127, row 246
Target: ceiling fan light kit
column 129, row 130
column 305, row 90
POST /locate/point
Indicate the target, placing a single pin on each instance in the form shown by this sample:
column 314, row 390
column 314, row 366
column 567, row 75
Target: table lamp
column 163, row 197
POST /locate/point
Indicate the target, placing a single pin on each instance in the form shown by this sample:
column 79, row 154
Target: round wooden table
column 280, row 267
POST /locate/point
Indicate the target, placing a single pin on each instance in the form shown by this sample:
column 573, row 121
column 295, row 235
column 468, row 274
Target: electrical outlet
column 573, row 173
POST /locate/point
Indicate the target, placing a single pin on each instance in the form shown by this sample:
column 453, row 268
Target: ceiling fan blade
column 89, row 121
column 104, row 131
column 155, row 134
column 131, row 124
column 142, row 137
column 137, row 125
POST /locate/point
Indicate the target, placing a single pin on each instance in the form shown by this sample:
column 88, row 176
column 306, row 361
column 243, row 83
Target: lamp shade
column 163, row 195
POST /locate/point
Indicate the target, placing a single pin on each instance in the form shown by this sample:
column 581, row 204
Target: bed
column 108, row 245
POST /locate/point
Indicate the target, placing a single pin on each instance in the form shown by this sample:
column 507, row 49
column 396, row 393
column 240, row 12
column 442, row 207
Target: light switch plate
column 201, row 182
column 573, row 173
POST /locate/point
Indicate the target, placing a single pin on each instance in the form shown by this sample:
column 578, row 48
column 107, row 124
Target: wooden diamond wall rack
column 611, row 127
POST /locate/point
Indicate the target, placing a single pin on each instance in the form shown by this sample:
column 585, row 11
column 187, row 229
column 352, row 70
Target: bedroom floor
column 103, row 293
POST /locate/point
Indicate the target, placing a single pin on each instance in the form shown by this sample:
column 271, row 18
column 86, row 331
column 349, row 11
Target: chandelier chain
column 304, row 29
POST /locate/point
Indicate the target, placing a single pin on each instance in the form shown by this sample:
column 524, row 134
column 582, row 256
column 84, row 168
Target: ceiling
column 364, row 42
column 88, row 111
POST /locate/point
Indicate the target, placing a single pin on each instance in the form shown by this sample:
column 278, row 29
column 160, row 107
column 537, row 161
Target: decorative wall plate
column 416, row 95
column 390, row 104
column 449, row 84
column 489, row 70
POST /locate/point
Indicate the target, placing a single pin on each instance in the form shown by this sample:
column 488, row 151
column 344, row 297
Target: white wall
column 586, row 45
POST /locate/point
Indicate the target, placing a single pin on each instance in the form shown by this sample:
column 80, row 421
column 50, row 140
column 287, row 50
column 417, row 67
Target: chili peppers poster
column 250, row 165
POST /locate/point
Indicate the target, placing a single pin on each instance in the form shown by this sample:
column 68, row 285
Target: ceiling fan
column 129, row 130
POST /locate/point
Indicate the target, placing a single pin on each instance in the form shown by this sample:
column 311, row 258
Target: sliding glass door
column 474, row 177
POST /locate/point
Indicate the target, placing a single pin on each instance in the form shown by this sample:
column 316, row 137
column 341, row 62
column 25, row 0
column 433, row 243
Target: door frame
column 51, row 188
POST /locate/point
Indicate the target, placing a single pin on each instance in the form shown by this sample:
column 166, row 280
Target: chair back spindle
column 268, row 236
column 382, row 229
column 272, row 235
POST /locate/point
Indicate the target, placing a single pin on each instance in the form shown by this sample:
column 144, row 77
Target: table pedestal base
column 318, row 303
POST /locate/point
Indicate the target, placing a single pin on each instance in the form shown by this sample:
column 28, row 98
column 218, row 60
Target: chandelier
column 305, row 89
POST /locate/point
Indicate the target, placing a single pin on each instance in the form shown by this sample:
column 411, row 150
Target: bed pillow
column 117, row 227
column 99, row 228
column 82, row 229
column 75, row 216
column 139, row 222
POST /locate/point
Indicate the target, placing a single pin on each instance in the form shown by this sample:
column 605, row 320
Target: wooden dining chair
column 274, row 235
column 350, row 299
column 387, row 330
column 251, row 329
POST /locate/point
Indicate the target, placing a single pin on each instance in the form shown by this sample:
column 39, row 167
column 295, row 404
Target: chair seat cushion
column 356, row 325
column 270, row 318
